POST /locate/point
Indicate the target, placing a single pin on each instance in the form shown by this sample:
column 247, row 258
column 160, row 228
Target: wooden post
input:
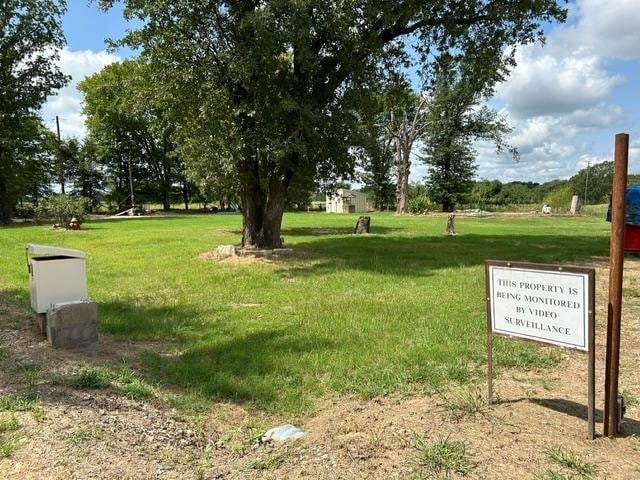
column 616, row 266
column 451, row 226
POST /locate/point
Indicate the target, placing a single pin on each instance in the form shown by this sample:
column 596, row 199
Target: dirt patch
column 248, row 258
column 102, row 434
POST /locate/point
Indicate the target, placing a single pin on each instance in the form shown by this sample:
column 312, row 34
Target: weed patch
column 8, row 445
column 443, row 457
column 91, row 378
column 631, row 399
column 83, row 436
column 570, row 461
column 22, row 402
column 268, row 463
column 465, row 403
column 136, row 389
column 9, row 425
column 554, row 475
column 122, row 380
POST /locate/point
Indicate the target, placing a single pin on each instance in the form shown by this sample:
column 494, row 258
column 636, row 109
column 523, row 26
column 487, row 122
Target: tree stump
column 451, row 228
column 363, row 225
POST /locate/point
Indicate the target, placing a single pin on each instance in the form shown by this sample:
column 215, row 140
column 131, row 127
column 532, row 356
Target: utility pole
column 133, row 201
column 60, row 160
column 586, row 183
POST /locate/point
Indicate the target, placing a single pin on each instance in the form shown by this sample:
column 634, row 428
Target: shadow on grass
column 14, row 309
column 244, row 368
column 19, row 224
column 216, row 360
column 323, row 231
column 131, row 320
column 420, row 255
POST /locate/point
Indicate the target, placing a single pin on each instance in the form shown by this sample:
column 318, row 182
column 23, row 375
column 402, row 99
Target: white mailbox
column 55, row 275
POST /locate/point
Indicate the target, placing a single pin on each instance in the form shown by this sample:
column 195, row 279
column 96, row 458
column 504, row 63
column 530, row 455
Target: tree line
column 265, row 102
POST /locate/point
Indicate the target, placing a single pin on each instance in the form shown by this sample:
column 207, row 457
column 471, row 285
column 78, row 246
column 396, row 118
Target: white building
column 347, row 201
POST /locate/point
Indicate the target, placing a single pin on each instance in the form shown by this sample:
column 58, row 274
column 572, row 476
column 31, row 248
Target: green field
column 399, row 310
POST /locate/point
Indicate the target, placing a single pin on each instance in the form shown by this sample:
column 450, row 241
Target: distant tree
column 405, row 122
column 377, row 164
column 86, row 174
column 518, row 193
column 417, row 189
column 67, row 155
column 594, row 181
column 129, row 130
column 487, row 192
column 560, row 198
column 33, row 163
column 457, row 118
column 30, row 38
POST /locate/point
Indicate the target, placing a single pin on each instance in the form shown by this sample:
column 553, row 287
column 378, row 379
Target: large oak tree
column 277, row 85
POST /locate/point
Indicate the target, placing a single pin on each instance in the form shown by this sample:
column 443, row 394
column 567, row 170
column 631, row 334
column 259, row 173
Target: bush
column 62, row 208
column 421, row 204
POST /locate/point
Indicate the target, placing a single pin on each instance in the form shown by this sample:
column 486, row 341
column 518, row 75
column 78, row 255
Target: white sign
column 543, row 305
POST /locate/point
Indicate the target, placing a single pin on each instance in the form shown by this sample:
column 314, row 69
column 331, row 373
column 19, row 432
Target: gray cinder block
column 73, row 326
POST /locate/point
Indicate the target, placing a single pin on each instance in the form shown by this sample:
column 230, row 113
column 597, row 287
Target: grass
column 465, row 403
column 8, row 437
column 94, row 378
column 9, row 425
column 22, row 402
column 443, row 457
column 8, row 445
column 137, row 389
column 82, row 437
column 267, row 463
column 550, row 474
column 123, row 380
column 398, row 311
column 630, row 399
column 571, row 461
column 31, row 372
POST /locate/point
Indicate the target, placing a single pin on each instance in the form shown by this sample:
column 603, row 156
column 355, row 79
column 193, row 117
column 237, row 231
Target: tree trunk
column 185, row 195
column 6, row 207
column 402, row 184
column 6, row 202
column 262, row 210
column 166, row 205
column 447, row 201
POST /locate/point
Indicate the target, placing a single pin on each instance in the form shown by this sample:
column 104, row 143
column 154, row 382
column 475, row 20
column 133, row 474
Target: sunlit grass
column 399, row 310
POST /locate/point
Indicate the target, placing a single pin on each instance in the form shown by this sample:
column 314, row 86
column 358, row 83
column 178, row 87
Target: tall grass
column 399, row 310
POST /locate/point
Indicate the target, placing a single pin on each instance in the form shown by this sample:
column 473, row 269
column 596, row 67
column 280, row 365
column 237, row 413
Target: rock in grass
column 226, row 250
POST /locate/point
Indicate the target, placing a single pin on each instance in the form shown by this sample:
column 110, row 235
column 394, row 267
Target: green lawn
column 399, row 310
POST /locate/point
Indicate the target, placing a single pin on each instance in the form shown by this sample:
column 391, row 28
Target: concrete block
column 226, row 250
column 73, row 326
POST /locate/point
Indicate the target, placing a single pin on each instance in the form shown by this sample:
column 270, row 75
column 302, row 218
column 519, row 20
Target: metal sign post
column 550, row 304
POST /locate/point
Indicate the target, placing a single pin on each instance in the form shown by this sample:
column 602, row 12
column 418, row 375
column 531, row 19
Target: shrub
column 421, row 204
column 62, row 208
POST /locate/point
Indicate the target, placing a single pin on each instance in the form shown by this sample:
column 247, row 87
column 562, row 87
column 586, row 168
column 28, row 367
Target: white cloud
column 561, row 97
column 543, row 84
column 606, row 28
column 67, row 104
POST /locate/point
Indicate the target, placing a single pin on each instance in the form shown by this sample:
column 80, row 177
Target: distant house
column 346, row 201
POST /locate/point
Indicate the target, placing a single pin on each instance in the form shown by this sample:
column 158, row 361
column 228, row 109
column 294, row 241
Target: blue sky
column 565, row 101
